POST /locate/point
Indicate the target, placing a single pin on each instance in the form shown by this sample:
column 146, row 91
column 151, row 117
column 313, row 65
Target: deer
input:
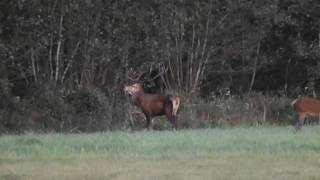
column 153, row 105
column 305, row 107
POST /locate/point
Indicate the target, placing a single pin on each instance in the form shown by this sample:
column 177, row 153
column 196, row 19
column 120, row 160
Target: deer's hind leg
column 173, row 120
column 149, row 123
column 171, row 117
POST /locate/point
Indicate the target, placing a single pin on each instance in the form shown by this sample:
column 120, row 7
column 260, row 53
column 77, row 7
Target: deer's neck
column 136, row 98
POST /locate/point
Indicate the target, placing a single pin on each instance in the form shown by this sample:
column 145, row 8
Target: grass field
column 237, row 153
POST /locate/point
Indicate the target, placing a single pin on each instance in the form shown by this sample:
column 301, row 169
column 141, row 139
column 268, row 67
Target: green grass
column 162, row 144
column 237, row 153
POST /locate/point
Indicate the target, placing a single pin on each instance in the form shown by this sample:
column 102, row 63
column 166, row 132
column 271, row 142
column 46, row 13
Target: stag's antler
column 161, row 71
column 145, row 75
column 137, row 78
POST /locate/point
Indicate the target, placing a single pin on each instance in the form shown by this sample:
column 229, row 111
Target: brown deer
column 153, row 105
column 305, row 107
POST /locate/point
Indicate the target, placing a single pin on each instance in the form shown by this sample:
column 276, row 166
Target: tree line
column 64, row 62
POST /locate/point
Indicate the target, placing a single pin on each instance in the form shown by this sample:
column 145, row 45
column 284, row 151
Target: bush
column 11, row 118
column 89, row 109
column 253, row 110
column 51, row 110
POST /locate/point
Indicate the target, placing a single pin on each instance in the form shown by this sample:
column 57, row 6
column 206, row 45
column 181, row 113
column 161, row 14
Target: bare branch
column 50, row 57
column 255, row 66
column 70, row 61
column 58, row 50
column 33, row 64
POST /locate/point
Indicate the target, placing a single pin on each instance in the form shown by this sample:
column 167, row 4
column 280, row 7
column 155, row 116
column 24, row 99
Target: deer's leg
column 171, row 117
column 149, row 124
column 302, row 117
column 173, row 120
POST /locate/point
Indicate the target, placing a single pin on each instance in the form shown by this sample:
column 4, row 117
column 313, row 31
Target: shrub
column 254, row 110
column 89, row 109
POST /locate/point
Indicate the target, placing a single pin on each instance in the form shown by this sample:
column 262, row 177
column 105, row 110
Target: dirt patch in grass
column 223, row 167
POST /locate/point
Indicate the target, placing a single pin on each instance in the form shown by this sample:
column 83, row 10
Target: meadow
column 230, row 153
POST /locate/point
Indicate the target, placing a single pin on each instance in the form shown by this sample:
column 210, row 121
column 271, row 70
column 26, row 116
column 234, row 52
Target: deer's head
column 133, row 89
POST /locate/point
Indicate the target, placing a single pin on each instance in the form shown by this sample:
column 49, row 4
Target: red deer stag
column 305, row 107
column 154, row 104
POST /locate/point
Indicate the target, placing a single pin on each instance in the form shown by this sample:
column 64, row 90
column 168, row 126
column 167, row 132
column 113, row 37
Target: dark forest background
column 63, row 63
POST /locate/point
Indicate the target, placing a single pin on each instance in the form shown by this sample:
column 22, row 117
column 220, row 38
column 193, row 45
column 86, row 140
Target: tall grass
column 279, row 141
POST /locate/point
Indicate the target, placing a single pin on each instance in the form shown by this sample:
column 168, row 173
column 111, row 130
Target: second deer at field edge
column 305, row 107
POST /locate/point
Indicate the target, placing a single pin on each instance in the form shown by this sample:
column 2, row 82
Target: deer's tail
column 175, row 100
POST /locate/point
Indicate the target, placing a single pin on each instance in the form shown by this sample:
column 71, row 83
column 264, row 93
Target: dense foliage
column 63, row 63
